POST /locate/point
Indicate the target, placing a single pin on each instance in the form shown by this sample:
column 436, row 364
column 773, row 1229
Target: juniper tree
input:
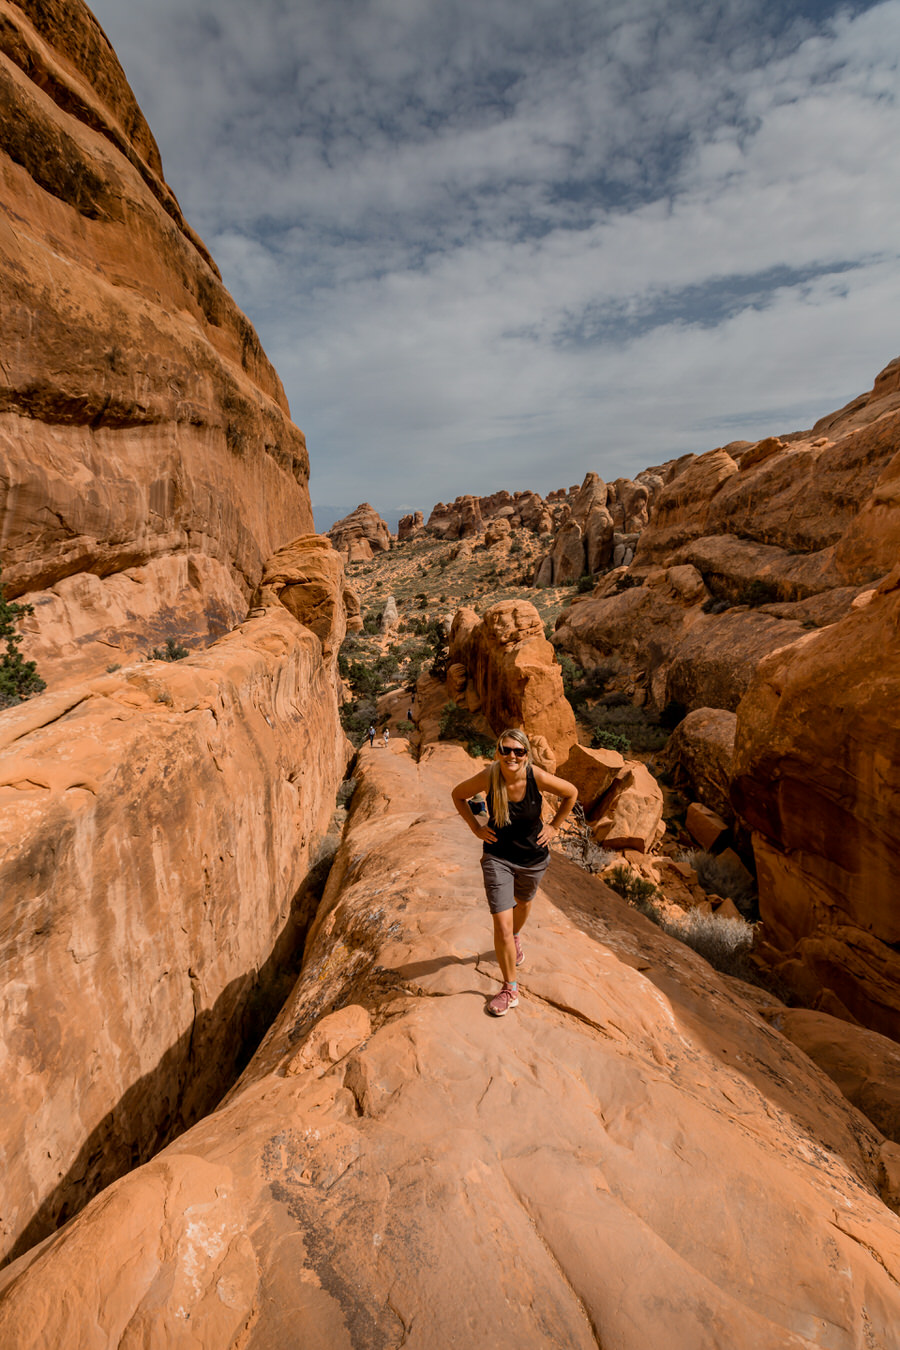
column 18, row 678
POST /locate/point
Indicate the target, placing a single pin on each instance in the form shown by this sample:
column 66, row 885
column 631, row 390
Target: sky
column 500, row 243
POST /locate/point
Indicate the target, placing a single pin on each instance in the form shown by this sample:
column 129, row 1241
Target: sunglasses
column 513, row 750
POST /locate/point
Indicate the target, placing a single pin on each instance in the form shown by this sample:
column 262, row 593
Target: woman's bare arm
column 461, row 794
column 566, row 792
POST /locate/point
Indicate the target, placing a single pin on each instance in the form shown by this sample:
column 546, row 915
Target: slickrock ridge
column 514, row 675
column 158, row 825
column 816, row 775
column 360, row 535
column 634, row 1133
column 148, row 464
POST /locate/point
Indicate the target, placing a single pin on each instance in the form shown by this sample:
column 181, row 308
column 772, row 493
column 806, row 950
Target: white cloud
column 498, row 244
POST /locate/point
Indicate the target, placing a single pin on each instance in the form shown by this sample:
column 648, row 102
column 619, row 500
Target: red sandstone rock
column 144, row 437
column 360, row 535
column 705, row 826
column 592, row 771
column 157, row 827
column 701, row 750
column 816, row 775
column 630, row 815
column 410, row 526
column 689, row 1141
column 512, row 667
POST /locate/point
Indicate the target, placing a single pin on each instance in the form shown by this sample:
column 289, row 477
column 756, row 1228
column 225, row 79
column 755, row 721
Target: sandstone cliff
column 157, row 827
column 625, row 1160
column 148, row 464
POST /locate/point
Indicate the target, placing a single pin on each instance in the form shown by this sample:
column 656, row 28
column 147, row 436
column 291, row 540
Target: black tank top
column 517, row 841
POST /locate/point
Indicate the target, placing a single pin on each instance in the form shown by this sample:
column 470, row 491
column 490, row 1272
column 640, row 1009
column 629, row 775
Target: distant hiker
column 371, row 735
column 515, row 855
column 409, row 714
column 387, row 737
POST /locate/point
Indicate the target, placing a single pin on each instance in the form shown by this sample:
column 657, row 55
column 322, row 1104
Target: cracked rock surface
column 631, row 1158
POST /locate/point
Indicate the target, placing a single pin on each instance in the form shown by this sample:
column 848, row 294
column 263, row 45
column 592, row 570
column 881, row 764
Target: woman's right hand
column 485, row 833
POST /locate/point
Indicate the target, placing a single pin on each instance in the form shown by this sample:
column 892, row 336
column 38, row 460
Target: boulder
column 390, row 616
column 592, row 771
column 630, row 815
column 513, row 670
column 706, row 826
column 700, row 752
column 362, row 534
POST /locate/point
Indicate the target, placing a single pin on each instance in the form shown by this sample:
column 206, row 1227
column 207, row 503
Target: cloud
column 501, row 244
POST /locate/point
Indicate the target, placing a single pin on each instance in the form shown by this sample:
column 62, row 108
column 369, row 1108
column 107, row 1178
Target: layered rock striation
column 635, row 1133
column 148, row 463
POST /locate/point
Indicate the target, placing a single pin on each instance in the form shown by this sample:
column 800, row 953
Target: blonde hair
column 497, row 788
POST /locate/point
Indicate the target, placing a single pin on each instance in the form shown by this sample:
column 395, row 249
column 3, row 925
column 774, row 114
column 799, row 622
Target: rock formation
column 360, row 535
column 157, row 827
column 747, row 547
column 816, row 776
column 625, row 1160
column 467, row 516
column 148, row 464
column 160, row 820
column 513, row 673
column 600, row 529
column 410, row 526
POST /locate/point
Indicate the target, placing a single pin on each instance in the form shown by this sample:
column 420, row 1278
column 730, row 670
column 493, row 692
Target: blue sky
column 499, row 243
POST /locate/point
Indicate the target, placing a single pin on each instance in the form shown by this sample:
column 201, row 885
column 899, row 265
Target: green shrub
column 584, row 583
column 571, row 674
column 172, row 651
column 456, row 724
column 18, row 678
column 603, row 739
column 372, row 621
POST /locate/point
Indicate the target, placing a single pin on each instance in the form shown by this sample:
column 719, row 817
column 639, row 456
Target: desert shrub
column 456, row 724
column 603, row 739
column 571, row 674
column 584, row 583
column 516, row 546
column 578, row 843
column 372, row 621
column 724, row 943
column 405, row 726
column 356, row 717
column 172, row 651
column 345, row 792
column 718, row 877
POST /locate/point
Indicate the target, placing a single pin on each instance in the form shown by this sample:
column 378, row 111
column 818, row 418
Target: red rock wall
column 157, row 826
column 140, row 421
column 817, row 777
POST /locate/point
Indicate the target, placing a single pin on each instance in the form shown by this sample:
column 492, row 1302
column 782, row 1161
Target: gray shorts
column 507, row 884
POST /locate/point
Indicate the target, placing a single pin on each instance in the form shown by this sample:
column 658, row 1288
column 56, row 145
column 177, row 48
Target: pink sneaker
column 520, row 953
column 501, row 1003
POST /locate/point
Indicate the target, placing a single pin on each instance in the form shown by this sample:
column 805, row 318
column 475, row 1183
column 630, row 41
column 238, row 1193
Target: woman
column 516, row 853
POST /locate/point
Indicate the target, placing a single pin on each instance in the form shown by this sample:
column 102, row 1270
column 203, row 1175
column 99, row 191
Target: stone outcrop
column 467, row 516
column 158, row 825
column 746, row 548
column 621, row 799
column 359, row 536
column 307, row 577
column 816, row 776
column 600, row 528
column 513, row 672
column 390, row 1146
column 148, row 463
column 410, row 526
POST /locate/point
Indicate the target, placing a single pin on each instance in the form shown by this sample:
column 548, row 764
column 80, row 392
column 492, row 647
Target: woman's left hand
column 547, row 835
